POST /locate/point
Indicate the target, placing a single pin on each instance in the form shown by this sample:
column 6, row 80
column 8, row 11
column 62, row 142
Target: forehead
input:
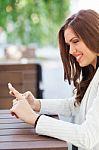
column 69, row 34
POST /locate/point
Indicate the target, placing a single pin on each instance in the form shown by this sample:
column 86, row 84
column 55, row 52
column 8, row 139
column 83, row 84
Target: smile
column 78, row 57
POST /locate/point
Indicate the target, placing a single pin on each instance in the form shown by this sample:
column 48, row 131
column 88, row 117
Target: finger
column 15, row 101
column 14, row 91
column 13, row 113
column 27, row 94
column 11, row 93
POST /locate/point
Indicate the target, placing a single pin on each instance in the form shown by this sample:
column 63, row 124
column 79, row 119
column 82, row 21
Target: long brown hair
column 85, row 24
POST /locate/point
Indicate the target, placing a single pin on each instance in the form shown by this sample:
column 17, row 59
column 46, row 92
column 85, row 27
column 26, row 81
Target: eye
column 75, row 41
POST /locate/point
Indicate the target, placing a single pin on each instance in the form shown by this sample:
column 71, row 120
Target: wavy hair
column 85, row 24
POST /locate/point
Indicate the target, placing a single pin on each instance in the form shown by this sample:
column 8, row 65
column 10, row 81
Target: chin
column 83, row 65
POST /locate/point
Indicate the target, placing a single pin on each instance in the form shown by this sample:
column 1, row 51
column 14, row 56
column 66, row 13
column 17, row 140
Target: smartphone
column 10, row 87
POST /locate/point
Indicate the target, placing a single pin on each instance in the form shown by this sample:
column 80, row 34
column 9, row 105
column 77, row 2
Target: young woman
column 79, row 49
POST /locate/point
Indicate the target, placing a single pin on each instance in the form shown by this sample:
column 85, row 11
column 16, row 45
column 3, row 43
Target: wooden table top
column 17, row 135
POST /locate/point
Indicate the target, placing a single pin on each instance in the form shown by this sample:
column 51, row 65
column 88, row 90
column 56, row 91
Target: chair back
column 24, row 77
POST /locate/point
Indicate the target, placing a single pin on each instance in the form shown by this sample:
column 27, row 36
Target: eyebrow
column 72, row 38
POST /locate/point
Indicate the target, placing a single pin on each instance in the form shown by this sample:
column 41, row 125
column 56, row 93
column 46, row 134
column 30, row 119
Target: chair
column 24, row 77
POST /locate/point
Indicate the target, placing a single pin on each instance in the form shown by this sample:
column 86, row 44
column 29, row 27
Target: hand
column 28, row 95
column 23, row 110
column 35, row 104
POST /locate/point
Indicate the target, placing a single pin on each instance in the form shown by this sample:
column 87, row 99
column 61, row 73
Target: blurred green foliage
column 33, row 21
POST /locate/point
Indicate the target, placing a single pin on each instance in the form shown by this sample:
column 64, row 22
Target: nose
column 72, row 50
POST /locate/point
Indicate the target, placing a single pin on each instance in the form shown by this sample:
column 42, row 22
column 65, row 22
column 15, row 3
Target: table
column 17, row 135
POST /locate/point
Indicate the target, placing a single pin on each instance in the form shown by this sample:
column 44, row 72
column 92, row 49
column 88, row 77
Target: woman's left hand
column 21, row 108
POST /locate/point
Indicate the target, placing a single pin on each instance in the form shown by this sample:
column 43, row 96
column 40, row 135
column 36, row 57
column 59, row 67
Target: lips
column 78, row 57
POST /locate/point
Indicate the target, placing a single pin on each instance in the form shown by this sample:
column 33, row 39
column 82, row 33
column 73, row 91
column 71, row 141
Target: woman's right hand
column 30, row 98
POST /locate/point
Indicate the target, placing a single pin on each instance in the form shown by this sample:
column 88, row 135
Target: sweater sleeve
column 85, row 135
column 63, row 107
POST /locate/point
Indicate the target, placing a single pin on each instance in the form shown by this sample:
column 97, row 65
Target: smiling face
column 84, row 56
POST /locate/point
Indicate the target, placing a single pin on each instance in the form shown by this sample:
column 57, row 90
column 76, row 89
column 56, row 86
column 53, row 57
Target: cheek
column 89, row 58
column 82, row 47
column 85, row 51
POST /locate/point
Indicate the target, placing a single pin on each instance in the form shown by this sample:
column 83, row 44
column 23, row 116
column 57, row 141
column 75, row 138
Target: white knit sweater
column 85, row 132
